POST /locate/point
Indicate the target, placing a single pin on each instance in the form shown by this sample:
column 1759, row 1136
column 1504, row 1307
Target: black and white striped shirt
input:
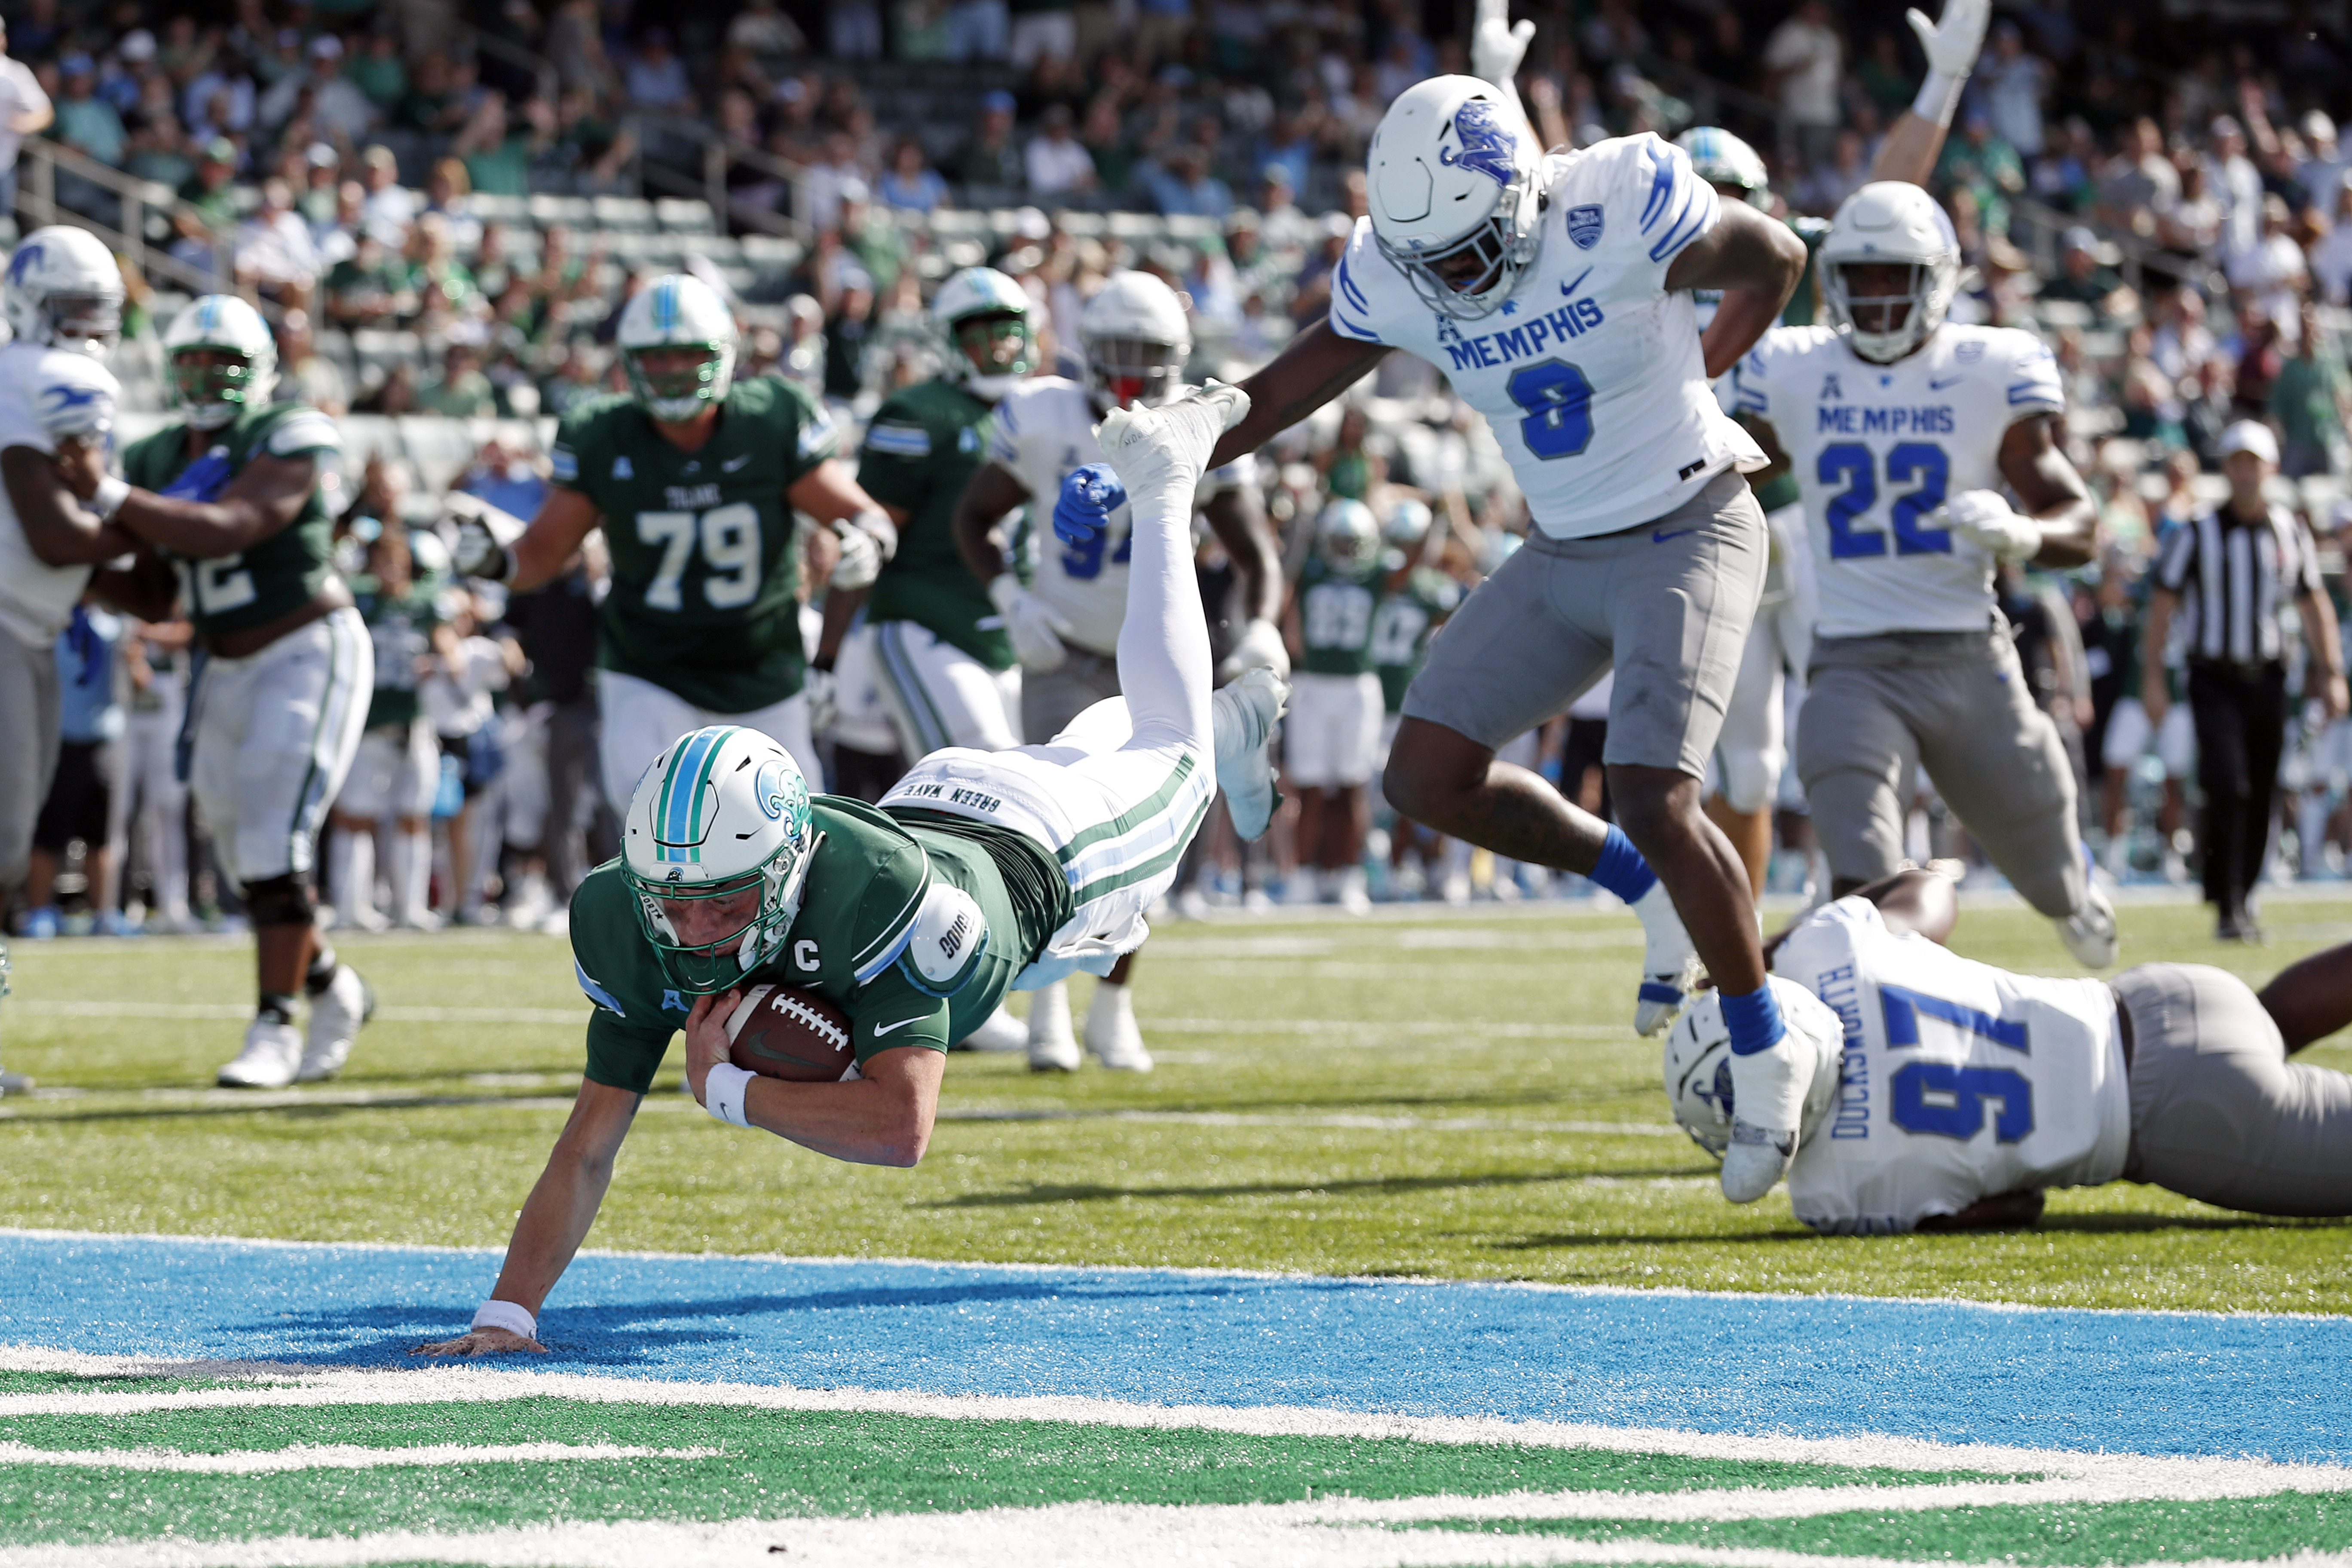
column 2232, row 576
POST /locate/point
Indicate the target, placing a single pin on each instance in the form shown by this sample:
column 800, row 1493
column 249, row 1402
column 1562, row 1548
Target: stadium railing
column 141, row 231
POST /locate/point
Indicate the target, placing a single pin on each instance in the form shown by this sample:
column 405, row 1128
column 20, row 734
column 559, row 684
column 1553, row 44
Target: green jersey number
column 1339, row 614
column 1396, row 631
column 220, row 585
column 729, row 537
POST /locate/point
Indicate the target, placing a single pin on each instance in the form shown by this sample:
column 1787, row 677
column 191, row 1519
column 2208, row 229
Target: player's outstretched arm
column 1313, row 368
column 1756, row 262
column 2054, row 496
column 263, row 501
column 555, row 1220
column 831, row 494
column 1238, row 521
column 883, row 1117
column 539, row 553
column 46, row 493
column 1916, row 140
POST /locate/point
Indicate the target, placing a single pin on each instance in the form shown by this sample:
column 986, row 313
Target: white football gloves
column 1951, row 47
column 1987, row 520
column 867, row 542
column 1036, row 632
column 1160, row 453
column 485, row 535
column 1260, row 647
column 1768, row 1091
column 1496, row 47
column 823, row 693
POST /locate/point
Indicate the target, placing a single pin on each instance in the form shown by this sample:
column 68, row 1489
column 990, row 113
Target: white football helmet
column 1698, row 1065
column 231, row 361
column 64, row 291
column 1889, row 221
column 1727, row 162
column 1408, row 523
column 716, row 847
column 1346, row 536
column 678, row 310
column 1136, row 337
column 1454, row 202
column 1002, row 345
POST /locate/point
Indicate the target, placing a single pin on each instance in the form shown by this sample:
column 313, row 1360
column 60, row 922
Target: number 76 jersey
column 1960, row 1081
column 1877, row 448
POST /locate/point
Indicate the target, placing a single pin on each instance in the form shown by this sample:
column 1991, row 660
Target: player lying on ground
column 731, row 875
column 1962, row 1090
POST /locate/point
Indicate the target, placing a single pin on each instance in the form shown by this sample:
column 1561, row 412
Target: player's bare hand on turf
column 707, row 1044
column 80, row 465
column 482, row 1341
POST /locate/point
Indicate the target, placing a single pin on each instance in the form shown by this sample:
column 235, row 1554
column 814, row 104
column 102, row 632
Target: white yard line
column 335, row 1457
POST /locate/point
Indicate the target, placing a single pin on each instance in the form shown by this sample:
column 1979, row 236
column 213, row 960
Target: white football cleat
column 999, row 1032
column 1241, row 719
column 336, row 1015
column 272, row 1052
column 1669, row 965
column 1758, row 1158
column 1053, row 1047
column 2089, row 933
column 1111, row 1034
column 1160, row 452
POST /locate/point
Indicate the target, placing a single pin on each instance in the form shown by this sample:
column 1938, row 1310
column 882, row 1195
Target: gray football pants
column 2218, row 1111
column 28, row 755
column 1877, row 709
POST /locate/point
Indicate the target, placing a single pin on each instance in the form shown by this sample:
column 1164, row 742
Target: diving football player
column 1962, row 1091
column 981, row 871
column 694, row 477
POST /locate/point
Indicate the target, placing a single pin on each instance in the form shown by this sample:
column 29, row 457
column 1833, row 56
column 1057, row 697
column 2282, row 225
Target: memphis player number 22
column 1919, row 464
column 1559, row 401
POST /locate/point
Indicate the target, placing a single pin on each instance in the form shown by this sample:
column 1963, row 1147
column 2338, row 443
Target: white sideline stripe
column 296, row 1385
column 1070, row 1535
column 335, row 1457
column 95, row 1007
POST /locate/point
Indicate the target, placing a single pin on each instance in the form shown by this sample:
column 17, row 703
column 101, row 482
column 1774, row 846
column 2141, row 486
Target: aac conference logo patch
column 1584, row 226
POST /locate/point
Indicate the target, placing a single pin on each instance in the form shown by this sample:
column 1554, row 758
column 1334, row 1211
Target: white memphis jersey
column 1877, row 447
column 1960, row 1081
column 45, row 394
column 1046, row 428
column 1590, row 373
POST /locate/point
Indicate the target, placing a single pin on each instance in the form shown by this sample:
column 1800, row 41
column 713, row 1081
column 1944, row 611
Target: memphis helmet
column 1698, row 1063
column 1890, row 222
column 64, row 291
column 984, row 317
column 720, row 820
column 1452, row 176
column 219, row 359
column 678, row 310
column 1136, row 339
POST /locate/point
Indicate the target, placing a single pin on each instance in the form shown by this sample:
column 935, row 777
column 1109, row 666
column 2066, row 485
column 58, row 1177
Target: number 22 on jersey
column 729, row 537
column 1920, row 463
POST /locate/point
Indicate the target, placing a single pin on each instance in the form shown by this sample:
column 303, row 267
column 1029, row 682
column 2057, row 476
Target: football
column 780, row 1032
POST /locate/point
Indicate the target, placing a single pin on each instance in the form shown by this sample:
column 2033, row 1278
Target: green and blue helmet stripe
column 679, row 810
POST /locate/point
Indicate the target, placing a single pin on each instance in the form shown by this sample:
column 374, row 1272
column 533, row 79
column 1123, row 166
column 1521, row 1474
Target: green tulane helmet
column 716, row 845
column 221, row 359
column 984, row 316
column 678, row 311
column 1724, row 161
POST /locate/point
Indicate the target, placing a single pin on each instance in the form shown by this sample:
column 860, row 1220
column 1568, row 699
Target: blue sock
column 1621, row 867
column 1754, row 1021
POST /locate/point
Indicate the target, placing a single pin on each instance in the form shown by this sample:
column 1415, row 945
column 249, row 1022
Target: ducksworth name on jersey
column 1570, row 320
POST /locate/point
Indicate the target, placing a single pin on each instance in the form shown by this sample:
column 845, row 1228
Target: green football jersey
column 1402, row 624
column 705, row 596
column 1335, row 617
column 922, row 449
column 285, row 570
column 400, row 625
column 866, row 888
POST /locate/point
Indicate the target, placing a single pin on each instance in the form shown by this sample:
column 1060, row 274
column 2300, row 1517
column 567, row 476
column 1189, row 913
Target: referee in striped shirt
column 2228, row 572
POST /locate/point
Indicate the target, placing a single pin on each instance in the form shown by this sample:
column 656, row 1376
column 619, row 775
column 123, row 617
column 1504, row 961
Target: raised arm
column 1755, row 261
column 1313, row 368
column 1916, row 140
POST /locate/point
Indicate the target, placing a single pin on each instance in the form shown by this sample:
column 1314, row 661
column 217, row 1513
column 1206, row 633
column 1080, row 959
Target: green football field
column 1423, row 1094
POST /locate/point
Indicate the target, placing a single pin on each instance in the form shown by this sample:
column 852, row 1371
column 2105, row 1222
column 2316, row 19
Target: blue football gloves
column 203, row 479
column 1088, row 497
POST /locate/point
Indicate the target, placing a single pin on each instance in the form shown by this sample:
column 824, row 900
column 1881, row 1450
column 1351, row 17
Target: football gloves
column 1260, row 647
column 1988, row 522
column 1496, row 47
column 1951, row 47
column 1036, row 632
column 486, row 537
column 867, row 542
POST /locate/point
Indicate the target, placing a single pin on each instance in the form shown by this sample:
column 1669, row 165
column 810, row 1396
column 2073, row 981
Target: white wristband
column 1939, row 96
column 111, row 493
column 722, row 1093
column 507, row 1316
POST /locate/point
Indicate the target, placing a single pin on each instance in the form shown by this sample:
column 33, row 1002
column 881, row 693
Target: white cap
column 2251, row 435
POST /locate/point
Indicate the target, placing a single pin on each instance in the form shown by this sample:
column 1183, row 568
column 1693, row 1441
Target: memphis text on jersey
column 1525, row 342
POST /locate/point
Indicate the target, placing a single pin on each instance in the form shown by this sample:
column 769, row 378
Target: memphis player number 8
column 729, row 537
column 1559, row 401
column 1919, row 464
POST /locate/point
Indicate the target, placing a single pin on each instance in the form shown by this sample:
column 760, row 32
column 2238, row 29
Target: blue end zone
column 1813, row 1367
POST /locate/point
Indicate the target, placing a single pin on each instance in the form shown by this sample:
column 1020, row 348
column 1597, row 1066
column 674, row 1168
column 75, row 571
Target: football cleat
column 1000, row 1031
column 1111, row 1034
column 2089, row 933
column 336, row 1015
column 1242, row 716
column 1669, row 965
column 271, row 1054
column 1053, row 1047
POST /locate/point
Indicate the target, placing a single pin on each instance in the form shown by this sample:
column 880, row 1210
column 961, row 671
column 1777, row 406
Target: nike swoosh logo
column 1567, row 289
column 731, row 463
column 1950, row 381
column 882, row 1029
column 1661, row 536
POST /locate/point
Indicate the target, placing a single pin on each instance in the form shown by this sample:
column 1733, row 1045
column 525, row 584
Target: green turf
column 1445, row 1125
column 2057, row 1535
column 773, row 1463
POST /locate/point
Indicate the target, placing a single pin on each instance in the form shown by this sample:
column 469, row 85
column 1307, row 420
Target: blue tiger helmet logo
column 1488, row 146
